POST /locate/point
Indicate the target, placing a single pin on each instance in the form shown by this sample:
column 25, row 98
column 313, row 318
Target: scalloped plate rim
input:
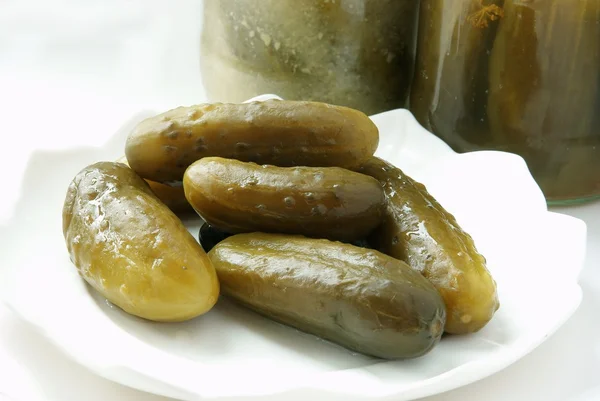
column 454, row 378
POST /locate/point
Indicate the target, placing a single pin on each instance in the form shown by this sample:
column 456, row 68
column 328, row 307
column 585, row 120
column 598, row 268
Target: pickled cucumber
column 418, row 230
column 361, row 299
column 327, row 202
column 282, row 133
column 172, row 196
column 132, row 249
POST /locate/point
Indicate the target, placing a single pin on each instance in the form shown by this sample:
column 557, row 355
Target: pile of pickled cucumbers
column 302, row 224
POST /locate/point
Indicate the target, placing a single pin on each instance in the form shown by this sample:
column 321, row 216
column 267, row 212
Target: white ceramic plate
column 231, row 353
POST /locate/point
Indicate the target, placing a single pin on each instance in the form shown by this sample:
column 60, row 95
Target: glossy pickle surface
column 418, row 230
column 324, row 202
column 358, row 298
column 278, row 132
column 132, row 249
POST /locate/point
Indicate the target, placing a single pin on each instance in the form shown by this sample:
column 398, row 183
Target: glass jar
column 355, row 53
column 521, row 76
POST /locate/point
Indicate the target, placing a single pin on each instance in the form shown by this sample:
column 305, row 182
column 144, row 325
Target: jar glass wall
column 355, row 53
column 521, row 76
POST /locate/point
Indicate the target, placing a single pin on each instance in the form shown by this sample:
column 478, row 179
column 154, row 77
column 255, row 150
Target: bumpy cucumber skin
column 322, row 202
column 358, row 298
column 132, row 249
column 418, row 230
column 278, row 132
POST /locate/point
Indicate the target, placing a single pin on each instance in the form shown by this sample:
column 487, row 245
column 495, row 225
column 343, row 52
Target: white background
column 71, row 72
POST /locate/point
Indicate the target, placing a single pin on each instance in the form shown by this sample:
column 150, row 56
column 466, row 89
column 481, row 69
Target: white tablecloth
column 142, row 52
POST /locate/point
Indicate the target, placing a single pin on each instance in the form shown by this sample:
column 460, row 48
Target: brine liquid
column 517, row 76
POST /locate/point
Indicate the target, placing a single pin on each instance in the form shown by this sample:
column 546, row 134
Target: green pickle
column 358, row 298
column 418, row 230
column 277, row 132
column 132, row 249
column 324, row 202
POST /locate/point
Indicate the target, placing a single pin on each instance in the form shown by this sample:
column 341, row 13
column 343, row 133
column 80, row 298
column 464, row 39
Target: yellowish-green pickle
column 281, row 133
column 418, row 230
column 325, row 202
column 132, row 249
column 172, row 196
column 361, row 299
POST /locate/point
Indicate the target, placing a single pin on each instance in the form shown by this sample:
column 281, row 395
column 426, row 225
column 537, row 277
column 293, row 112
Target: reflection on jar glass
column 518, row 75
column 355, row 53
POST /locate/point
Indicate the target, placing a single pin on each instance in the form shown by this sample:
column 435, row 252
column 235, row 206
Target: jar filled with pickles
column 354, row 53
column 521, row 76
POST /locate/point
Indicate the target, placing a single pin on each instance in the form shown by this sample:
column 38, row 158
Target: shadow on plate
column 223, row 326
